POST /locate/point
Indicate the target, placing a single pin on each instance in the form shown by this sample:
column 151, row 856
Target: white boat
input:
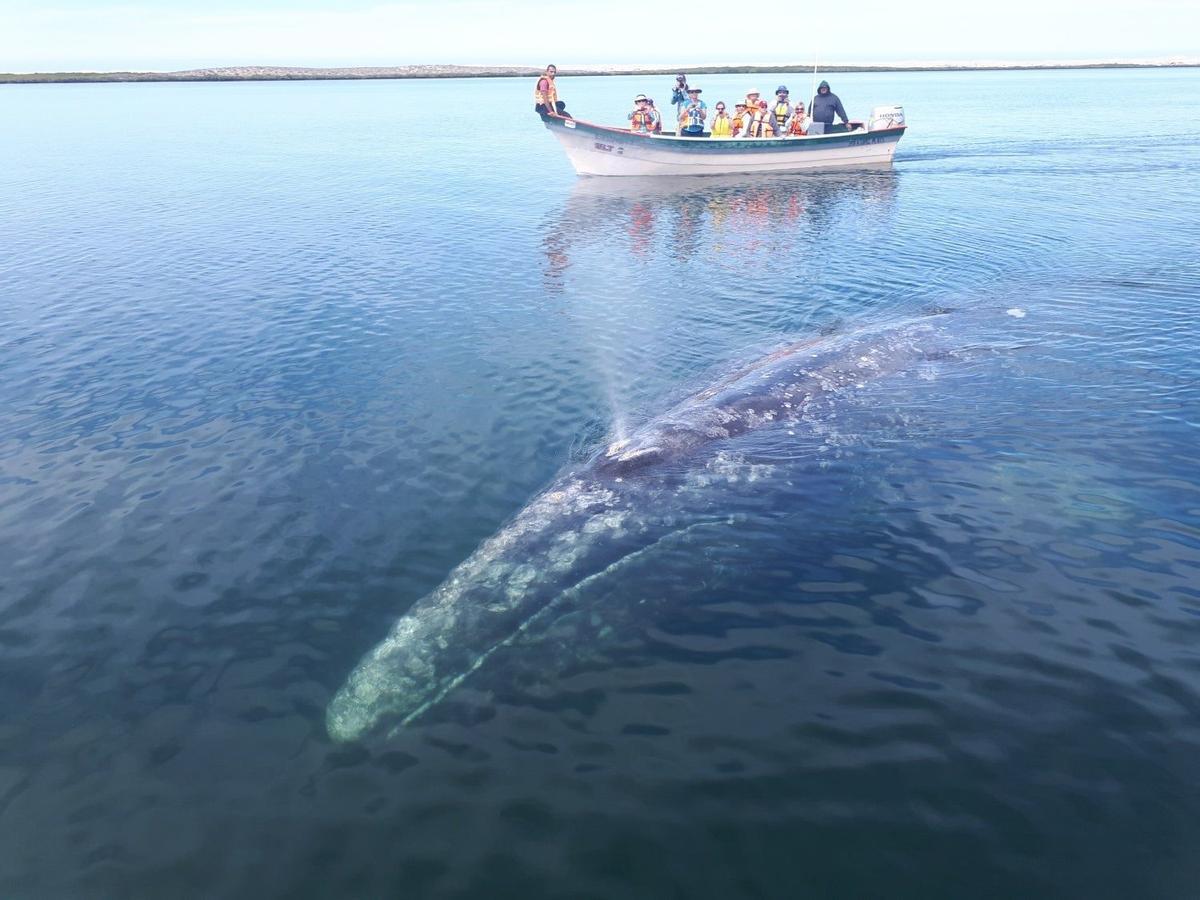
column 605, row 150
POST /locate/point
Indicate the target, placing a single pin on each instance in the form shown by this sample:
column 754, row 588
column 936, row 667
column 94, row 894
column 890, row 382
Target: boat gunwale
column 728, row 144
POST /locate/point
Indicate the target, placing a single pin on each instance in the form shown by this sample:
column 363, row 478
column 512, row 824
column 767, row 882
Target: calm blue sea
column 275, row 357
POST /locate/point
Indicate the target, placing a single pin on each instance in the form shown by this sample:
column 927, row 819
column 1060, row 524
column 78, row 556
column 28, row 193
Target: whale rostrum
column 594, row 515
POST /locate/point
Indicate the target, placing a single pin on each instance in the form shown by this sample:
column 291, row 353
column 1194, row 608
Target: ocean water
column 274, row 358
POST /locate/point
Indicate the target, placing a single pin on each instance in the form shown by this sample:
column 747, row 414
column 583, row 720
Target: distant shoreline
column 296, row 73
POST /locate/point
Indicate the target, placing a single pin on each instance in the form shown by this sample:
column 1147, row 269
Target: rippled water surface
column 277, row 357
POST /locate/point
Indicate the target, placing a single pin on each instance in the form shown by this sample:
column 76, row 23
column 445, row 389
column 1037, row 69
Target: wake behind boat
column 607, row 150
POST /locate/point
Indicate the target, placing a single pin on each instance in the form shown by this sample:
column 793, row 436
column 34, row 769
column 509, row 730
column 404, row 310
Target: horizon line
column 456, row 70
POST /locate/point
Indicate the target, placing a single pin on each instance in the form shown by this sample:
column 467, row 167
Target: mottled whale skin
column 592, row 516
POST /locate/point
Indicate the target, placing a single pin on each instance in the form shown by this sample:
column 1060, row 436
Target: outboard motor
column 886, row 117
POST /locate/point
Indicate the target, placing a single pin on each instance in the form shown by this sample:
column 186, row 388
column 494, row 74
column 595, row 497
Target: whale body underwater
column 596, row 513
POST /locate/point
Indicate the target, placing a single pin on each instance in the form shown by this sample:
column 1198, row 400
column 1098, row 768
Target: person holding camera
column 679, row 94
column 722, row 123
column 642, row 119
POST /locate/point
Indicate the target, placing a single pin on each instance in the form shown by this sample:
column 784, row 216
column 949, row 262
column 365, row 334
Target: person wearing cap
column 781, row 110
column 722, row 123
column 742, row 119
column 825, row 106
column 679, row 94
column 691, row 120
column 641, row 120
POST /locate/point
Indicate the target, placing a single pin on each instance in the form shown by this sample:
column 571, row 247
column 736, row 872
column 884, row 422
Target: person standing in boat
column 545, row 94
column 824, row 107
column 722, row 124
column 641, row 120
column 781, row 110
column 679, row 94
column 691, row 120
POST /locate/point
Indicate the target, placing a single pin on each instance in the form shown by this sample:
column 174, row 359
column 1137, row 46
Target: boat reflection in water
column 724, row 225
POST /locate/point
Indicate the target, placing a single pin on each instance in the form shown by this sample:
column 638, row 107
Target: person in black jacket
column 826, row 105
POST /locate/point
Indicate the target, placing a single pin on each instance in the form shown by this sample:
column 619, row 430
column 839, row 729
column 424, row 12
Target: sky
column 168, row 35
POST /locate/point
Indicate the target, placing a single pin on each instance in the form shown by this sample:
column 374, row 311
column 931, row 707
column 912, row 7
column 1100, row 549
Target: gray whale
column 596, row 514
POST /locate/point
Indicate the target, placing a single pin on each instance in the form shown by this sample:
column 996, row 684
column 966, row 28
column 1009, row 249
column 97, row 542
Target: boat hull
column 601, row 150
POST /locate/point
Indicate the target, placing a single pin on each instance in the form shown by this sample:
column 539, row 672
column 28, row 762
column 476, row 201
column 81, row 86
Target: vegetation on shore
column 288, row 73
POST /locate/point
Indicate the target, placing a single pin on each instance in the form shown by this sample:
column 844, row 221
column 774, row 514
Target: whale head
column 347, row 719
column 372, row 693
column 395, row 682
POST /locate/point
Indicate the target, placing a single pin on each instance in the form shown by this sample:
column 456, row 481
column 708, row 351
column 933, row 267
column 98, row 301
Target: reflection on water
column 728, row 222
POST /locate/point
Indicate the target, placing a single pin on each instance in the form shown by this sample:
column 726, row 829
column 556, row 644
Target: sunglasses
column 720, row 109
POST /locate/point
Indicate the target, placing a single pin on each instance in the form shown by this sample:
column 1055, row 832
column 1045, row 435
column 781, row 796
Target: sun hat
column 752, row 91
column 782, row 89
column 639, row 98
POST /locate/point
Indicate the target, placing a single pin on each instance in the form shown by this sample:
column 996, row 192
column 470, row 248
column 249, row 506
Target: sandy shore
column 299, row 73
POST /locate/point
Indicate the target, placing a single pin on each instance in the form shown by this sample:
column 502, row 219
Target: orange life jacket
column 547, row 95
column 797, row 126
column 642, row 121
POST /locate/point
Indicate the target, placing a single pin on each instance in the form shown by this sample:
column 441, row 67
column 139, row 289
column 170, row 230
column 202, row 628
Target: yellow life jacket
column 781, row 115
column 722, row 126
column 760, row 126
